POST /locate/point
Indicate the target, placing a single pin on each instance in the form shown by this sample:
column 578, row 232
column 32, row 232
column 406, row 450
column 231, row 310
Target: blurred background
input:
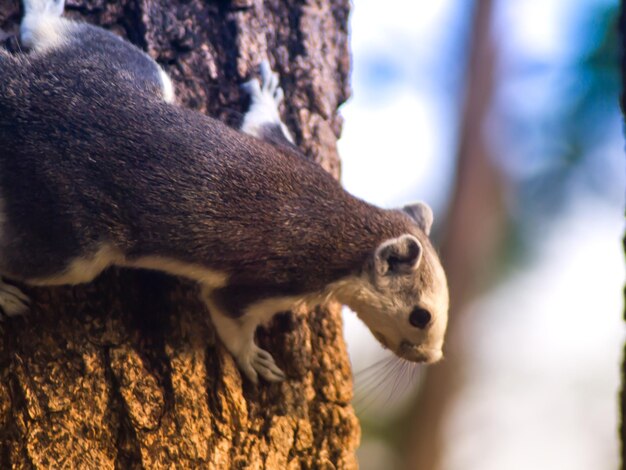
column 503, row 115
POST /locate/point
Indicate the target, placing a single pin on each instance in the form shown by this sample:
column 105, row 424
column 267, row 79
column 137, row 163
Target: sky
column 396, row 137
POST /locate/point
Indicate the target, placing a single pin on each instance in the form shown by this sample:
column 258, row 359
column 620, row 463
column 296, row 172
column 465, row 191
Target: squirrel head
column 401, row 294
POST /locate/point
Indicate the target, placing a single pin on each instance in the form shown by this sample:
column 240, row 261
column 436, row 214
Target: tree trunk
column 126, row 372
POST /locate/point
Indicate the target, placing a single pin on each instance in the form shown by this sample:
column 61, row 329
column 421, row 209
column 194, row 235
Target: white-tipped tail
column 265, row 97
column 44, row 7
column 43, row 27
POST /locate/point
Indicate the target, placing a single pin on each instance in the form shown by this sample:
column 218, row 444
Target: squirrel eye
column 419, row 318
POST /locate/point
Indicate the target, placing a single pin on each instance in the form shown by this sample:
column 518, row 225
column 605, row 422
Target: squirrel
column 99, row 167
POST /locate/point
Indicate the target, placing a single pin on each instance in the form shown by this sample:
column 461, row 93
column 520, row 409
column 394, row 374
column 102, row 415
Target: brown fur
column 89, row 157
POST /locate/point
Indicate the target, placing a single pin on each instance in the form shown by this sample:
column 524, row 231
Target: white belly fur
column 83, row 270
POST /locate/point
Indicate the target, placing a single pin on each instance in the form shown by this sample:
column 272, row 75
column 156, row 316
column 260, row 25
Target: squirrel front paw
column 254, row 361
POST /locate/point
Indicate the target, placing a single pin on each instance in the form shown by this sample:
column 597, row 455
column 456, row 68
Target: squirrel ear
column 398, row 256
column 422, row 214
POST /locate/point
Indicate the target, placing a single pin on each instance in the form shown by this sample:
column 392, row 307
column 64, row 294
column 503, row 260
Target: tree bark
column 126, row 372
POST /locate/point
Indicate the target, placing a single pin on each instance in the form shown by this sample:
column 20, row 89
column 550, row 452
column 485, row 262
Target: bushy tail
column 42, row 26
column 44, row 7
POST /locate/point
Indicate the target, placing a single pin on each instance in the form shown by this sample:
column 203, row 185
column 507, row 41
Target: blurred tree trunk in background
column 474, row 234
column 126, row 372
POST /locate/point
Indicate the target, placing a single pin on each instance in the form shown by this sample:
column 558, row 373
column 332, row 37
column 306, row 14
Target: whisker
column 372, row 366
column 390, row 376
column 366, row 387
column 373, row 388
column 411, row 372
column 396, row 374
column 409, row 385
column 377, row 391
column 399, row 367
column 372, row 371
column 373, row 394
column 397, row 380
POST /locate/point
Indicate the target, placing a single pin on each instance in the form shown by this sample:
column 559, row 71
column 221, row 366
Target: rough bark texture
column 126, row 372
